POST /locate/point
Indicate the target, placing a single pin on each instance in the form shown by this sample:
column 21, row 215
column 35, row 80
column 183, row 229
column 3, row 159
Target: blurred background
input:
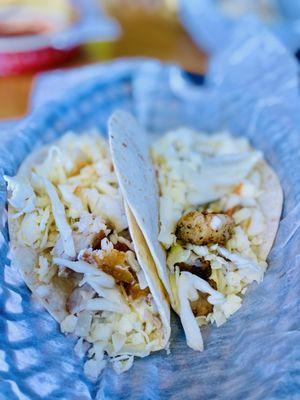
column 37, row 35
column 148, row 28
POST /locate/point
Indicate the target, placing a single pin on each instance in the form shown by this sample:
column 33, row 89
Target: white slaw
column 217, row 173
column 61, row 206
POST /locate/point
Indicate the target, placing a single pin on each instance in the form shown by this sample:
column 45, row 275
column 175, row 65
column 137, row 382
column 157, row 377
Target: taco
column 219, row 209
column 80, row 251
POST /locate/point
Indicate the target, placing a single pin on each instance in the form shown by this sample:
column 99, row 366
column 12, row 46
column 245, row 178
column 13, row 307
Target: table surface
column 143, row 34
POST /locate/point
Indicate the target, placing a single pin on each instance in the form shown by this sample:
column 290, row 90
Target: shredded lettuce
column 218, row 174
column 194, row 169
column 83, row 267
column 68, row 325
column 59, row 214
column 74, row 203
column 69, row 202
column 188, row 285
column 239, row 261
column 22, row 198
column 102, row 304
column 122, row 363
column 29, row 232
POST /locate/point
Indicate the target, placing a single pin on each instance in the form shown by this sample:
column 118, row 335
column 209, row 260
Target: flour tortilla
column 135, row 170
column 147, row 263
column 55, row 294
column 270, row 202
column 136, row 175
column 24, row 258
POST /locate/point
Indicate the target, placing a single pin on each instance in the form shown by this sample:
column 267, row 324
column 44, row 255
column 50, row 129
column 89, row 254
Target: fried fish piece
column 203, row 228
column 201, row 307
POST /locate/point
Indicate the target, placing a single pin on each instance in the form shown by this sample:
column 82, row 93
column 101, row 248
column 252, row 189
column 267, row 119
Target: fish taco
column 214, row 214
column 80, row 251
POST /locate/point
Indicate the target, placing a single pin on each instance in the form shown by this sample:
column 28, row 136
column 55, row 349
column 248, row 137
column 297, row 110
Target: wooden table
column 143, row 35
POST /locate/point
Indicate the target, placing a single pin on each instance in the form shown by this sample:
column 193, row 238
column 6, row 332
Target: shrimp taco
column 215, row 214
column 80, row 251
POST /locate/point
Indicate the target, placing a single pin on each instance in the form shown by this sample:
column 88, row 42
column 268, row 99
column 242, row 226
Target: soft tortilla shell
column 270, row 202
column 25, row 259
column 136, row 175
column 149, row 267
column 134, row 168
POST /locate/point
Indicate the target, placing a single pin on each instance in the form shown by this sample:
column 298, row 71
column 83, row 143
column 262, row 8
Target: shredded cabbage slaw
column 67, row 201
column 217, row 173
